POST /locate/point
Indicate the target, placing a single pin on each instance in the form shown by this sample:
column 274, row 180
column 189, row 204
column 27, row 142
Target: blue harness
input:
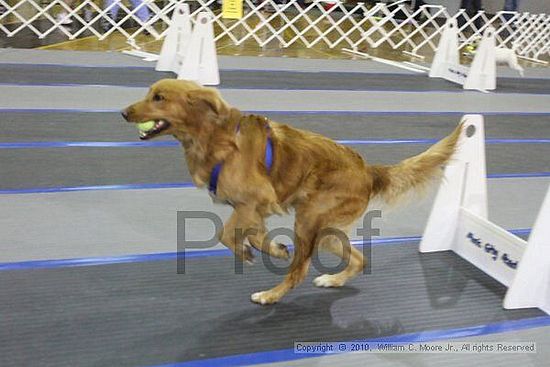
column 214, row 176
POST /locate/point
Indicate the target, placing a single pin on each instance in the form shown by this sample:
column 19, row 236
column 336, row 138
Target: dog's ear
column 208, row 99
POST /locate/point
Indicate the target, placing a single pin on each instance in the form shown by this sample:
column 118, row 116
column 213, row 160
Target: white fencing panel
column 285, row 24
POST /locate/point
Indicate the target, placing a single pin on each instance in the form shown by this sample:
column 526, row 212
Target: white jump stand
column 446, row 64
column 459, row 222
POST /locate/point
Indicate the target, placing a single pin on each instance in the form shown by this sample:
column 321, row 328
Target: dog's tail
column 392, row 183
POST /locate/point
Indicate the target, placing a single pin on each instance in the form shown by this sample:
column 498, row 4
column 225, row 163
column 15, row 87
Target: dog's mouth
column 158, row 127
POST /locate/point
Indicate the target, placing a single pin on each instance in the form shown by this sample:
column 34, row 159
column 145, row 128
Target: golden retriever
column 328, row 185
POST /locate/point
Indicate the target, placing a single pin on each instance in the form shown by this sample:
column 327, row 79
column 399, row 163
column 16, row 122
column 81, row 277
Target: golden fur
column 327, row 184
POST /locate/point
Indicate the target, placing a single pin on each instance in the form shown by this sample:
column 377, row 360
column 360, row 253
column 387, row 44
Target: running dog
column 503, row 56
column 261, row 167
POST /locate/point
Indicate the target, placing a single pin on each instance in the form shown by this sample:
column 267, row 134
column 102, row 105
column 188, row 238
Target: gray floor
column 94, row 98
column 139, row 314
column 443, row 359
column 144, row 313
column 110, row 223
column 22, row 74
column 53, row 167
column 90, row 126
column 88, row 166
column 116, row 59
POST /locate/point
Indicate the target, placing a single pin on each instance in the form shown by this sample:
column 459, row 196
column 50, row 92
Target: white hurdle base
column 459, row 222
column 403, row 65
column 146, row 56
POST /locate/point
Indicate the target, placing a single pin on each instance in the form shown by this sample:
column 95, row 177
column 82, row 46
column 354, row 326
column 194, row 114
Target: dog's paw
column 264, row 298
column 328, row 281
column 246, row 255
column 280, row 251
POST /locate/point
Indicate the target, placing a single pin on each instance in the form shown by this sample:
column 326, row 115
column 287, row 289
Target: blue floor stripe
column 136, row 258
column 81, row 66
column 179, row 185
column 44, row 190
column 519, row 175
column 296, row 112
column 165, row 144
column 59, row 110
column 269, row 88
column 151, row 67
column 285, row 355
column 76, row 85
column 89, row 144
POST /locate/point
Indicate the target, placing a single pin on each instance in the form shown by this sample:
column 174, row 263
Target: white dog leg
column 518, row 68
column 508, row 57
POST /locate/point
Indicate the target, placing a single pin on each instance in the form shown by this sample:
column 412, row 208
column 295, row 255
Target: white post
column 483, row 74
column 464, row 185
column 447, row 50
column 201, row 62
column 458, row 222
column 175, row 44
column 531, row 286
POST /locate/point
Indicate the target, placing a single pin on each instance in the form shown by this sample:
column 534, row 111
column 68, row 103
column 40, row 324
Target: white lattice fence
column 283, row 25
column 42, row 18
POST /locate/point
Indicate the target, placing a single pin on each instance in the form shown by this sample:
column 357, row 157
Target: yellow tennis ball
column 146, row 126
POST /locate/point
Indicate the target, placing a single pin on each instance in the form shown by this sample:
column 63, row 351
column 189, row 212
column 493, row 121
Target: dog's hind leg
column 340, row 247
column 514, row 64
column 315, row 220
column 342, row 218
column 519, row 69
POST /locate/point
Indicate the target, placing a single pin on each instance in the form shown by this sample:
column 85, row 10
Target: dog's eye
column 158, row 98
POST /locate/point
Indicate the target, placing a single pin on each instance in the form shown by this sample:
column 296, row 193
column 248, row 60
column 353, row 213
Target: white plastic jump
column 188, row 51
column 459, row 222
column 174, row 47
column 446, row 64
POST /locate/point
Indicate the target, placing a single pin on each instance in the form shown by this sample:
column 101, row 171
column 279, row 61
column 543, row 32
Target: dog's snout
column 124, row 114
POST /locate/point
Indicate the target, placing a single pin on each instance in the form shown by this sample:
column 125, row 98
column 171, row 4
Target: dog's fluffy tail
column 392, row 183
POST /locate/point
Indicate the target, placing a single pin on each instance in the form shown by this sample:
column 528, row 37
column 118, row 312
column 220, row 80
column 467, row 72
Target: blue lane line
column 107, row 260
column 297, row 112
column 269, row 88
column 165, row 144
column 94, row 261
column 519, row 175
column 83, row 66
column 152, row 68
column 177, row 185
column 74, row 85
column 285, row 355
column 59, row 110
column 42, row 190
column 89, row 144
column 433, row 141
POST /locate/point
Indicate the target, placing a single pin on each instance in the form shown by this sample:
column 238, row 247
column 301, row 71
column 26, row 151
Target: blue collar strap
column 213, row 185
column 215, row 175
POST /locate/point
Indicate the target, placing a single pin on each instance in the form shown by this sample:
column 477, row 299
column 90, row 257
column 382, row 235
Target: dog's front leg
column 233, row 236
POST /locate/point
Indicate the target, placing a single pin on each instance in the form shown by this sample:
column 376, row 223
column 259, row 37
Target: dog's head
column 178, row 107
